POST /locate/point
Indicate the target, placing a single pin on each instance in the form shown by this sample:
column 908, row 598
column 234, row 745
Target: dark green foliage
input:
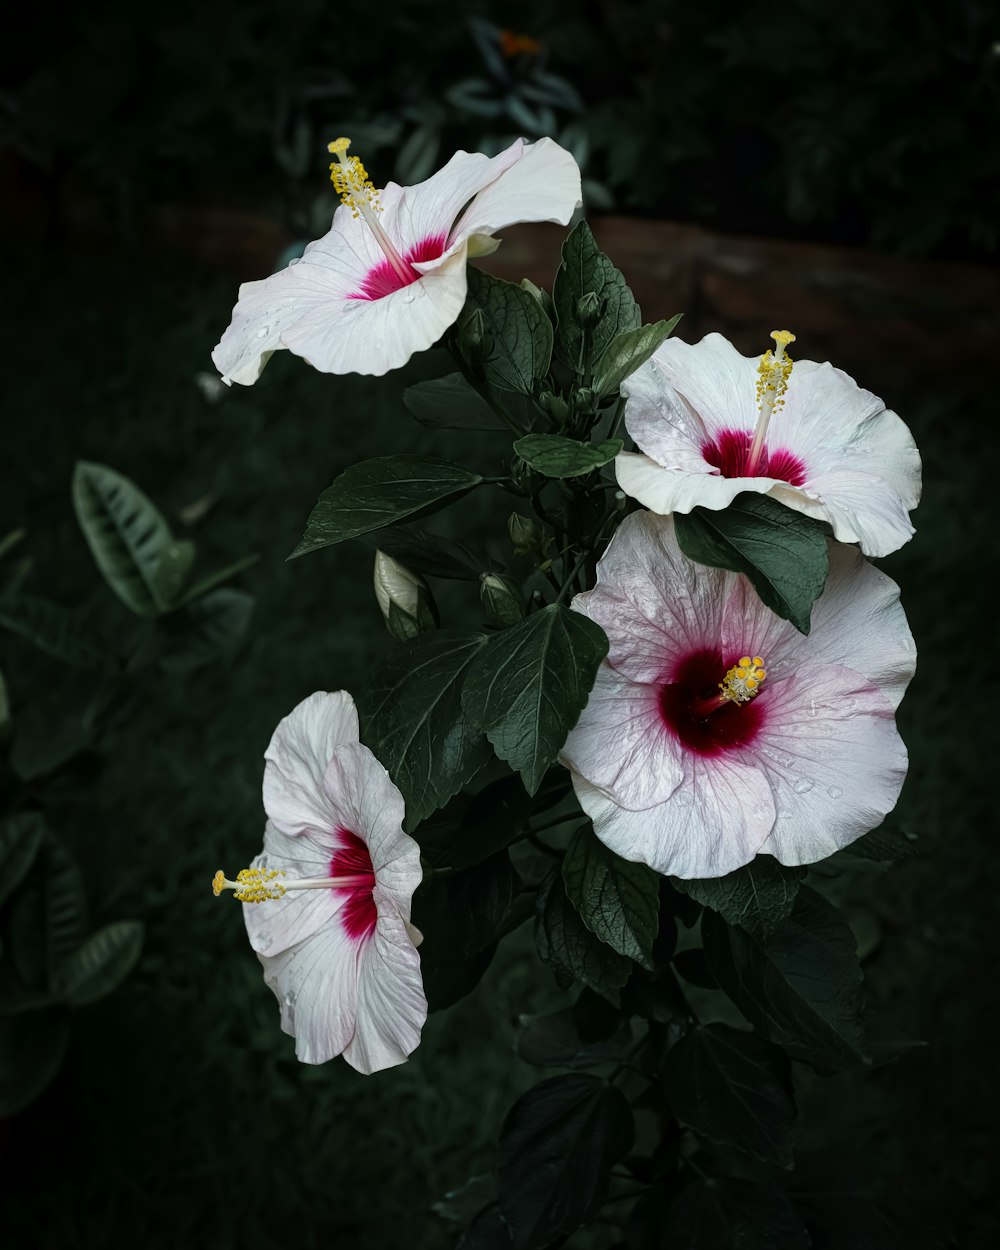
column 783, row 553
column 733, row 1087
column 450, row 403
column 757, row 897
column 552, row 455
column 801, row 987
column 518, row 344
column 21, row 839
column 55, row 630
column 430, row 554
column 555, row 1155
column 99, row 964
column 585, row 270
column 554, row 1041
column 566, row 944
column 729, row 1214
column 529, row 685
column 627, row 352
column 618, row 901
column 381, row 492
column 33, row 1045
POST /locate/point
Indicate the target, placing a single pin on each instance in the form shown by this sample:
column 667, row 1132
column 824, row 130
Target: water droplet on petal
column 835, row 792
column 803, row 785
column 263, row 332
column 410, row 294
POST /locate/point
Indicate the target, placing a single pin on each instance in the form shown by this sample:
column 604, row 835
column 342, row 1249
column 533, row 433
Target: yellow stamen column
column 772, row 382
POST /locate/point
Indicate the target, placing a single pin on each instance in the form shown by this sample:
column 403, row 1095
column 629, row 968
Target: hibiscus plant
column 671, row 729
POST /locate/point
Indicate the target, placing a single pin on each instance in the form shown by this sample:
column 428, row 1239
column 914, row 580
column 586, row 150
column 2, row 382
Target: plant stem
column 567, row 585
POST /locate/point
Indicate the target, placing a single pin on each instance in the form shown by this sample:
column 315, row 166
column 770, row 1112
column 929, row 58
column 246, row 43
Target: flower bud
column 501, row 598
column 403, row 598
column 589, row 310
column 524, row 478
column 528, row 536
column 543, row 297
column 475, row 339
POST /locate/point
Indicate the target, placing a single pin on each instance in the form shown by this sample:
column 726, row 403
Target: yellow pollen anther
column 743, row 680
column 350, row 180
column 781, row 337
column 252, row 885
column 338, row 147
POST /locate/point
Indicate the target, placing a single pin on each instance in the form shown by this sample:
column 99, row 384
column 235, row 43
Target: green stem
column 567, row 585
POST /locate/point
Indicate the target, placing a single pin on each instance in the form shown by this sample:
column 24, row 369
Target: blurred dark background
column 830, row 168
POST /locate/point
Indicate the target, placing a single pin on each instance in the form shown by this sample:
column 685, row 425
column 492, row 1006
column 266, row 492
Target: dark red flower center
column 383, row 279
column 728, row 453
column 694, row 681
column 358, row 912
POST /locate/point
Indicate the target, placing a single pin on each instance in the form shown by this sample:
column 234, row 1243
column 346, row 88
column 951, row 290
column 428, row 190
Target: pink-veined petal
column 716, row 820
column 297, row 758
column 316, row 985
column 391, row 1004
column 834, row 759
column 717, row 382
column 277, row 924
column 620, row 743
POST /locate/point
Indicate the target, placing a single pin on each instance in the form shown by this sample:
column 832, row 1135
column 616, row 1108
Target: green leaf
column 521, row 333
column 728, row 1214
column 585, row 268
column 875, row 852
column 128, row 537
column 4, row 708
column 171, row 574
column 32, row 1048
column 381, row 492
column 48, row 915
column 100, row 964
column 783, row 553
column 414, row 722
column 529, row 686
column 757, row 897
column 429, row 554
column 211, row 580
column 461, row 917
column 481, row 826
column 553, row 455
column 565, row 943
column 21, row 838
column 556, row 1150
column 733, row 1088
column 618, row 901
column 60, row 722
column 450, row 403
column 627, row 352
column 553, row 1041
column 801, row 987
column 53, row 629
column 208, row 629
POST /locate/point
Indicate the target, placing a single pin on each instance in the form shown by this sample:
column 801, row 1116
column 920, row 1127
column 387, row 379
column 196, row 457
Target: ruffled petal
column 365, row 801
column 620, row 744
column 543, row 184
column 391, row 1004
column 861, row 507
column 662, row 422
column 430, row 209
column 716, row 820
column 834, row 759
column 857, row 623
column 823, row 407
column 654, row 604
column 665, row 491
column 316, row 985
column 714, row 378
column 296, row 761
column 277, row 924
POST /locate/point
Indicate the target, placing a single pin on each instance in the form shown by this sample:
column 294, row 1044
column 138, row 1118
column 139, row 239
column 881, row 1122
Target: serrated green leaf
column 100, row 964
column 521, row 333
column 381, row 492
column 413, row 719
column 450, row 403
column 529, row 686
column 554, row 455
column 555, row 1154
column 32, row 1048
column 782, row 552
column 21, row 837
column 565, row 943
column 801, row 987
column 585, row 268
column 126, row 533
column 53, row 629
column 757, row 897
column 733, row 1088
column 629, row 351
column 618, row 901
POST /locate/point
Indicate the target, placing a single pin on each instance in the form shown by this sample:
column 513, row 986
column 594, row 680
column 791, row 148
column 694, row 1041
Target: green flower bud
column 475, row 338
column 528, row 536
column 501, row 598
column 543, row 297
column 589, row 310
column 403, row 598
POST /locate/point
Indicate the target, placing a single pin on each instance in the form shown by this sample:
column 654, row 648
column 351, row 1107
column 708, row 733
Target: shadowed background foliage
column 147, row 168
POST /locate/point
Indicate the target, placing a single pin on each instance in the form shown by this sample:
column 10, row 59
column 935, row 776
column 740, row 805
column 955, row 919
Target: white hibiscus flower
column 390, row 276
column 715, row 730
column 711, row 423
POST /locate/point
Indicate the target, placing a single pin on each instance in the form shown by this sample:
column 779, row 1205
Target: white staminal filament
column 772, row 382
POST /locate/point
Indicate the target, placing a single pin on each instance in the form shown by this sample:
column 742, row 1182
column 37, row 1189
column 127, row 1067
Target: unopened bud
column 543, row 297
column 501, row 598
column 528, row 535
column 475, row 338
column 524, row 478
column 403, row 598
column 555, row 406
column 589, row 310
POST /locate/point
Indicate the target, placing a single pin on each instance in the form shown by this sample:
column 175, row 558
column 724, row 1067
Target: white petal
column 621, row 745
column 661, row 421
column 277, row 924
column 364, row 801
column 391, row 1007
column 297, row 758
column 665, row 491
column 655, row 605
column 316, row 985
column 716, row 820
column 822, row 407
column 717, row 382
column 373, row 336
column 431, row 208
column 542, row 185
column 835, row 760
column 861, row 508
